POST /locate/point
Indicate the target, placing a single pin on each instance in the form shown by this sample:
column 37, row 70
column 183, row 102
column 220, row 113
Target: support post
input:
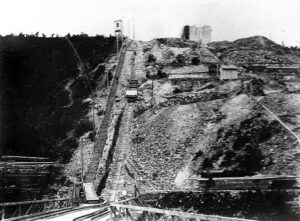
column 114, row 214
column 73, row 193
column 117, row 44
column 81, row 156
column 111, row 214
column 126, row 214
column 146, row 214
column 3, row 213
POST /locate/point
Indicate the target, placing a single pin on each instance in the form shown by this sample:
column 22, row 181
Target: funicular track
column 102, row 132
column 101, row 210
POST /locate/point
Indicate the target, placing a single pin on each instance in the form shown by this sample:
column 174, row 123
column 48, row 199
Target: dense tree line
column 35, row 117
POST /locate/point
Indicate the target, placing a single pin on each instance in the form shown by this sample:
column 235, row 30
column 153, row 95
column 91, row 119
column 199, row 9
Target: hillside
column 197, row 126
column 44, row 91
column 185, row 123
column 256, row 49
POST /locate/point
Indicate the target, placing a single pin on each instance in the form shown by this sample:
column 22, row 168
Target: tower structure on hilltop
column 119, row 32
column 197, row 33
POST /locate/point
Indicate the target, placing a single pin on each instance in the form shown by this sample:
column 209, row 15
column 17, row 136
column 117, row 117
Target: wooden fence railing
column 15, row 209
column 129, row 212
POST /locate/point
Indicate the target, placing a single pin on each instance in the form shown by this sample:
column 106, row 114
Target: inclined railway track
column 94, row 215
column 52, row 214
column 103, row 210
column 102, row 131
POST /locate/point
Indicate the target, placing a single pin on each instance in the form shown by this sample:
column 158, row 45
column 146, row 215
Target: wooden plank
column 247, row 178
column 7, row 157
column 26, row 175
column 180, row 214
column 26, row 163
column 242, row 183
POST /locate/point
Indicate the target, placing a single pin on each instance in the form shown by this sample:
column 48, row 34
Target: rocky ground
column 190, row 128
column 256, row 49
column 215, row 127
column 193, row 128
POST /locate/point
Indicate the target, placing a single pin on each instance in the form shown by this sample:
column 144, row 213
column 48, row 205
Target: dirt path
column 70, row 92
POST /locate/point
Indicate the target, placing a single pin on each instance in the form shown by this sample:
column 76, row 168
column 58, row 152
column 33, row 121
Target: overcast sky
column 229, row 19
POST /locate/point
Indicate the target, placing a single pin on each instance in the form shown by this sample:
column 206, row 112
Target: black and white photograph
column 150, row 110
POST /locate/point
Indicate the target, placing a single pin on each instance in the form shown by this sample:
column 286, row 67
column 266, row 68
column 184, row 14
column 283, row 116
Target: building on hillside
column 228, row 72
column 188, row 72
column 199, row 34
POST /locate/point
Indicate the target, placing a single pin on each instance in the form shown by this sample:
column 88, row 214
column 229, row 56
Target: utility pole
column 81, row 156
column 107, row 79
column 133, row 31
column 128, row 28
column 153, row 99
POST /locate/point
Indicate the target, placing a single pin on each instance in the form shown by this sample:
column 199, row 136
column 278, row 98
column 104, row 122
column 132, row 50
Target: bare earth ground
column 222, row 134
column 213, row 127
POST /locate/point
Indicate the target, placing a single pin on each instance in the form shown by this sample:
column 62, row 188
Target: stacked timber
column 246, row 183
column 23, row 178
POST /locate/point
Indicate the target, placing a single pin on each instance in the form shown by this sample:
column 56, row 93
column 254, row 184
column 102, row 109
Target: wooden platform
column 90, row 193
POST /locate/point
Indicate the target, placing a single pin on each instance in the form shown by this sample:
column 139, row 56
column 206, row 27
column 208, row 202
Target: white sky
column 229, row 19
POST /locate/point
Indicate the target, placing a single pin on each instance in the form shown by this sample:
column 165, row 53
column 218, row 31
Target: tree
column 180, row 59
column 151, row 58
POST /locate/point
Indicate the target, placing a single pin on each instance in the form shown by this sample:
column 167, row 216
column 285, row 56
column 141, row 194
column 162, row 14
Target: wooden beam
column 26, row 163
column 3, row 213
column 249, row 178
column 24, row 157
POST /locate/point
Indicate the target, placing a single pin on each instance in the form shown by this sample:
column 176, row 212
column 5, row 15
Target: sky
column 278, row 20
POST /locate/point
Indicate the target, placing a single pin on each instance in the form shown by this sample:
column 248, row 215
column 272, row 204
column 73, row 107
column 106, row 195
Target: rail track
column 94, row 215
column 102, row 131
column 103, row 210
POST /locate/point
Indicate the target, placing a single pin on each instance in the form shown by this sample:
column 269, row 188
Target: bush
column 82, row 127
column 180, row 59
column 151, row 58
column 195, row 61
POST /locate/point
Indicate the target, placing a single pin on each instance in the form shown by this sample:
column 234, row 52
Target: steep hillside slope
column 229, row 137
column 215, row 127
column 48, row 99
column 43, row 92
column 256, row 49
column 195, row 127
